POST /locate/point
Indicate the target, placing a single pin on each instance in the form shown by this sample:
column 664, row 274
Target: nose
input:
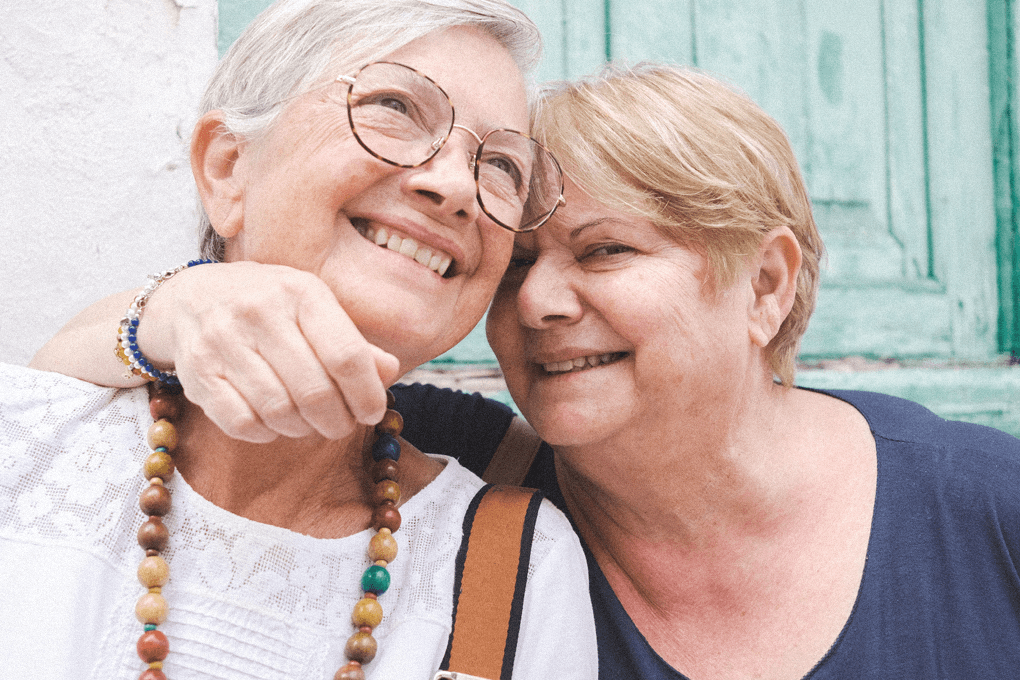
column 447, row 181
column 548, row 296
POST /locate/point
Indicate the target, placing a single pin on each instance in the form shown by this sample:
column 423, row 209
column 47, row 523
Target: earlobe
column 774, row 284
column 215, row 152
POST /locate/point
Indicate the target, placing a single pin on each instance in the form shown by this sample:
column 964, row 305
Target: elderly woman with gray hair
column 736, row 526
column 360, row 152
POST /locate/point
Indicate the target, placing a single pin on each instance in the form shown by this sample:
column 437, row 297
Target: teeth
column 582, row 363
column 437, row 261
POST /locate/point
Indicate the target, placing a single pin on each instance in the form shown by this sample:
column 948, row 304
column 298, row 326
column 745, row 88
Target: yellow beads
column 162, row 435
column 367, row 612
column 382, row 546
column 153, row 572
column 151, row 608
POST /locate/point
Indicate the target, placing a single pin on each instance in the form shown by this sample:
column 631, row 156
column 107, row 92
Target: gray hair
column 293, row 43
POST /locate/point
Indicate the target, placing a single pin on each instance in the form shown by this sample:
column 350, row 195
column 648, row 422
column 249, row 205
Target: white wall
column 97, row 101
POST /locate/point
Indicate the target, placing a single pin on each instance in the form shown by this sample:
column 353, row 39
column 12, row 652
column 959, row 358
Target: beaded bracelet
column 127, row 334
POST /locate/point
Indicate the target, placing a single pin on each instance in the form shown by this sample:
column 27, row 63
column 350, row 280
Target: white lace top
column 247, row 600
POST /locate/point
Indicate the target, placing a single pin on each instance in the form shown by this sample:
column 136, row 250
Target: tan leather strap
column 490, row 580
column 514, row 455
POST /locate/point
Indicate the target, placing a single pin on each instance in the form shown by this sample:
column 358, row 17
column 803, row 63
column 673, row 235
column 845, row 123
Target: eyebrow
column 598, row 221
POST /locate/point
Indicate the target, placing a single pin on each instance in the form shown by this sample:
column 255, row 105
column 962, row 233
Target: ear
column 774, row 284
column 214, row 161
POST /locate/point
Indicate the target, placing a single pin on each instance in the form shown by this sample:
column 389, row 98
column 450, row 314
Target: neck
column 310, row 485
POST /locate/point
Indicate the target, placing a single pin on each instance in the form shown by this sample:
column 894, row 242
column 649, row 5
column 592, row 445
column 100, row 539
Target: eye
column 506, row 166
column 394, row 103
column 607, row 250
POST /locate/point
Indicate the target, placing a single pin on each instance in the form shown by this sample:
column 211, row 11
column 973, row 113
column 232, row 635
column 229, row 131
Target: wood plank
column 657, row 30
column 960, row 171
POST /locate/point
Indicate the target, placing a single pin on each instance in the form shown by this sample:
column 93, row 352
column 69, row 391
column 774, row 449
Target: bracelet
column 127, row 334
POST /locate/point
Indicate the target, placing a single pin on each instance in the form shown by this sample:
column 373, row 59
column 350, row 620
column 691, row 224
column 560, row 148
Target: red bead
column 385, row 469
column 386, row 490
column 164, row 406
column 350, row 671
column 152, row 674
column 155, row 500
column 392, row 423
column 153, row 646
column 153, row 534
column 386, row 515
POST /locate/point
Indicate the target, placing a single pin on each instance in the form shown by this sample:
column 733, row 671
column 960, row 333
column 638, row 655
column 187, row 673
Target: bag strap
column 491, row 576
column 514, row 455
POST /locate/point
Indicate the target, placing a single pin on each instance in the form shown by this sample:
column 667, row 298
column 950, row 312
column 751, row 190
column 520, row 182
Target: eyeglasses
column 404, row 118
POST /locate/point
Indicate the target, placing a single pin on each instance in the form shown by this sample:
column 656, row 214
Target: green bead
column 375, row 580
column 150, row 626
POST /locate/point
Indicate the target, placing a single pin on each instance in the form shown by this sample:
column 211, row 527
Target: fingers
column 351, row 363
column 267, row 351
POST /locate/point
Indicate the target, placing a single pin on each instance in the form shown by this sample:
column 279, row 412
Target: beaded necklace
column 166, row 405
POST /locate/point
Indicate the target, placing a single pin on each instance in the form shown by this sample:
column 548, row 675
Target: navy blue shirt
column 940, row 595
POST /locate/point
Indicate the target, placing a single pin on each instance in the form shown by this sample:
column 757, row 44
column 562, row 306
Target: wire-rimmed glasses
column 404, row 118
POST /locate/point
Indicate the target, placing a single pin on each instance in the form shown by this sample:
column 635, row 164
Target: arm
column 265, row 350
column 83, row 348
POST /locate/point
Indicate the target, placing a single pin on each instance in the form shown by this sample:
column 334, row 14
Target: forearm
column 84, row 348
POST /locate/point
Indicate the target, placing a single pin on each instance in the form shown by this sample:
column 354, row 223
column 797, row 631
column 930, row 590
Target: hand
column 266, row 350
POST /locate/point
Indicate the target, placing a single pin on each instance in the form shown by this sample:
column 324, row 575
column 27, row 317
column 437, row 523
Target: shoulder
column 896, row 419
column 973, row 465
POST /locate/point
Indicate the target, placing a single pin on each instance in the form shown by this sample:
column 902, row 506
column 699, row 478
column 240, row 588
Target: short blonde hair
column 699, row 160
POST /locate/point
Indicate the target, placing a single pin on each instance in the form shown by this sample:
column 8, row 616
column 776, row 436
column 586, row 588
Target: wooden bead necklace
column 166, row 405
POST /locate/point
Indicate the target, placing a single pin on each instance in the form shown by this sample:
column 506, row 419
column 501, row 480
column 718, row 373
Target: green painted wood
column 659, row 30
column 960, row 171
column 234, row 16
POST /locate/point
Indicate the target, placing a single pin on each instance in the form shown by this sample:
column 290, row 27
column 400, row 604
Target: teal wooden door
column 887, row 105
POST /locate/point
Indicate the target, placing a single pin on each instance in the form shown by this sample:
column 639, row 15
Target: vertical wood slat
column 960, row 171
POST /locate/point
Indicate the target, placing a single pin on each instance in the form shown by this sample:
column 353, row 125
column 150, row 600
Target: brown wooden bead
column 391, row 401
column 151, row 608
column 361, row 647
column 164, row 406
column 382, row 546
column 386, row 516
column 367, row 612
column 159, row 464
column 153, row 534
column 350, row 671
column 385, row 469
column 153, row 572
column 392, row 423
column 155, row 500
column 152, row 674
column 386, row 490
column 162, row 433
column 153, row 646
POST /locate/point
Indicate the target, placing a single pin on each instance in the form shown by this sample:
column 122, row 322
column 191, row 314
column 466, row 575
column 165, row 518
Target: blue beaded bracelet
column 127, row 335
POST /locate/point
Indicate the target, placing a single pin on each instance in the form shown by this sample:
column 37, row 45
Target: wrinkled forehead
column 487, row 89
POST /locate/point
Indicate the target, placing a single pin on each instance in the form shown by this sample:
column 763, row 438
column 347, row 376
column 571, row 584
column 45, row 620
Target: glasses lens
column 398, row 114
column 519, row 181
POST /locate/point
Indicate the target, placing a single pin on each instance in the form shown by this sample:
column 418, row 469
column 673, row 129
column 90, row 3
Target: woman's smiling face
column 311, row 198
column 602, row 323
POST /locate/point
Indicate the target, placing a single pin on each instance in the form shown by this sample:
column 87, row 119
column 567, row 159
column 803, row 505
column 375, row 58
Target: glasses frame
column 440, row 142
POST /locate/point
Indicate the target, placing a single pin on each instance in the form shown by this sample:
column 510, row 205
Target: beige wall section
column 98, row 100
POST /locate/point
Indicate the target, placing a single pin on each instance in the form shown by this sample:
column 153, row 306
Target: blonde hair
column 699, row 160
column 293, row 44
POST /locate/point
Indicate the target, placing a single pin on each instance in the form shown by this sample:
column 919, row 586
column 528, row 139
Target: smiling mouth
column 436, row 260
column 583, row 363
